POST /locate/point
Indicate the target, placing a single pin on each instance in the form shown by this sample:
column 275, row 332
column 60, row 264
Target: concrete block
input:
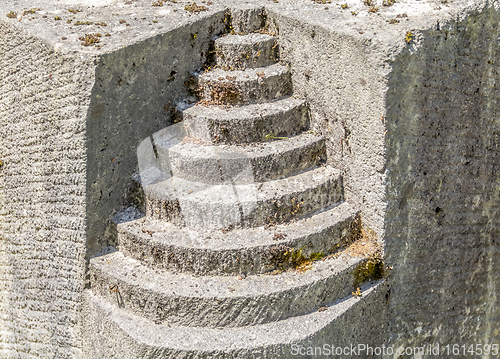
column 248, row 51
column 248, row 123
column 247, row 251
column 256, row 85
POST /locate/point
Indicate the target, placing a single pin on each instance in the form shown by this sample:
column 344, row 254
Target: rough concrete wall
column 135, row 89
column 43, row 105
column 443, row 218
column 339, row 75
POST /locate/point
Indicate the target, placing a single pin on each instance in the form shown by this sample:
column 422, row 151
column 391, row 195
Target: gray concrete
column 128, row 105
column 443, row 187
column 133, row 336
column 44, row 98
column 250, row 123
column 241, row 52
column 428, row 186
column 198, row 205
column 246, row 251
column 243, row 164
column 219, row 301
column 253, row 85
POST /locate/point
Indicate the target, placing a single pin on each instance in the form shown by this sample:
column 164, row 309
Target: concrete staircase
column 245, row 230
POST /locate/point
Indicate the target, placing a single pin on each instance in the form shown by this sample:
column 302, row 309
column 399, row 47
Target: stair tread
column 246, row 123
column 245, row 163
column 167, row 234
column 220, row 301
column 206, row 340
column 174, row 188
column 248, row 75
column 259, row 149
column 243, row 112
column 252, row 85
column 162, row 281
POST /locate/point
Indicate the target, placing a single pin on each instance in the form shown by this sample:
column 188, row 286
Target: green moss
column 371, row 269
column 283, row 258
column 12, row 15
column 31, row 11
column 316, row 256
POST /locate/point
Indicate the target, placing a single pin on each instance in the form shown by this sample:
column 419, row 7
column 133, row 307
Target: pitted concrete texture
column 73, row 116
column 250, row 123
column 220, row 301
column 160, row 244
column 241, row 52
column 133, row 336
column 243, row 164
column 198, row 205
column 44, row 97
column 443, row 146
column 253, row 85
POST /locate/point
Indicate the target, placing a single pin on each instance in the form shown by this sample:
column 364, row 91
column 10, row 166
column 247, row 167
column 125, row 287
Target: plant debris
column 195, row 8
column 78, row 23
column 408, row 37
column 90, row 39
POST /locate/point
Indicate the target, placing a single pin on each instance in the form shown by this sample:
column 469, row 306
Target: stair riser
column 247, row 260
column 222, row 131
column 112, row 334
column 254, row 90
column 226, row 168
column 212, row 214
column 242, row 56
column 203, row 310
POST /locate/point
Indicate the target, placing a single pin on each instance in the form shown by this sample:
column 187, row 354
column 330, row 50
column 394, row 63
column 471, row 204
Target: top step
column 235, row 52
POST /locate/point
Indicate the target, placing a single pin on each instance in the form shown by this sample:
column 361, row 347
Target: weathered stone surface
column 73, row 116
column 198, row 205
column 250, row 123
column 246, row 251
column 44, row 98
column 443, row 185
column 249, row 163
column 139, row 337
column 254, row 85
column 246, row 51
column 219, row 301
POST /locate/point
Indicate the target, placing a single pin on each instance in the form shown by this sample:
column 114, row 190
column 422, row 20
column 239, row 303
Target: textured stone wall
column 443, row 218
column 43, row 104
column 136, row 88
column 340, row 76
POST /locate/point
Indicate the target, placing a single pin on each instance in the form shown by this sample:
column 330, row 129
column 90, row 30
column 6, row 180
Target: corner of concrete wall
column 43, row 105
column 135, row 90
column 443, row 186
column 341, row 78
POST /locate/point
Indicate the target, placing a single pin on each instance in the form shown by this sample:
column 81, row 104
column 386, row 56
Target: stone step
column 114, row 333
column 255, row 85
column 220, row 301
column 198, row 205
column 260, row 250
column 246, row 51
column 248, row 123
column 244, row 163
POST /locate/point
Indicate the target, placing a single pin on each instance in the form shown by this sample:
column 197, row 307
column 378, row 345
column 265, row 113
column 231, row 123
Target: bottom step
column 110, row 332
